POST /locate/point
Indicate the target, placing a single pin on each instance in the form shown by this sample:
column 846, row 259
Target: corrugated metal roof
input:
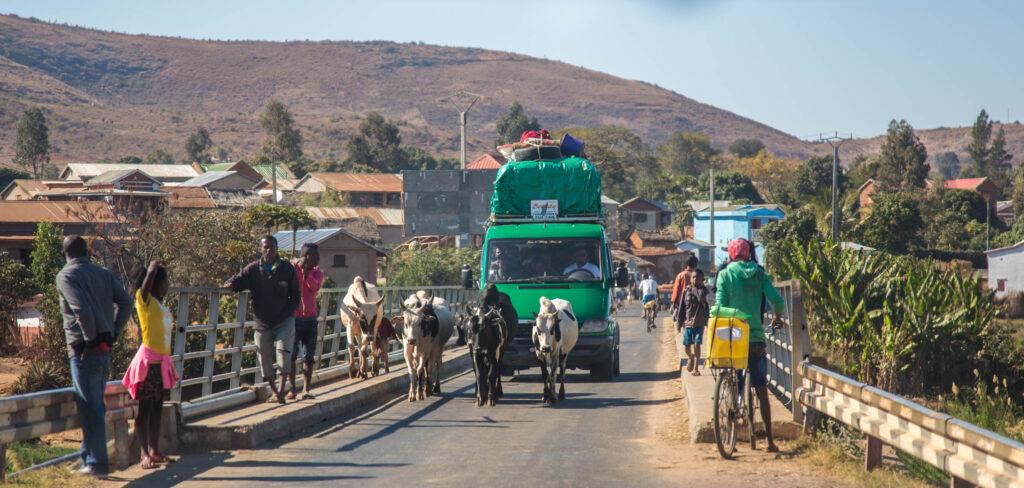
column 113, row 176
column 189, row 197
column 207, row 178
column 382, row 216
column 361, row 182
column 85, row 171
column 284, row 238
column 31, row 211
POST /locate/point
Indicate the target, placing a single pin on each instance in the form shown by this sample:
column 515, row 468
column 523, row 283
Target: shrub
column 39, row 376
column 429, row 266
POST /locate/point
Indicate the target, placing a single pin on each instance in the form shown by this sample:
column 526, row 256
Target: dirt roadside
column 677, row 461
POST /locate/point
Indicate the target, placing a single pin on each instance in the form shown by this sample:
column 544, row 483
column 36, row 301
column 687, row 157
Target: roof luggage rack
column 590, row 218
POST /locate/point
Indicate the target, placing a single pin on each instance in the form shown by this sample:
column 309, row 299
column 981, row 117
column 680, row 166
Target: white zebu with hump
column 425, row 326
column 361, row 312
column 554, row 335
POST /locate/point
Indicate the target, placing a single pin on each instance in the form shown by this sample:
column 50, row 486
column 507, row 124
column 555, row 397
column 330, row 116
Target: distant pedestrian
column 95, row 308
column 151, row 374
column 275, row 297
column 745, row 286
column 310, row 280
column 682, row 283
column 696, row 307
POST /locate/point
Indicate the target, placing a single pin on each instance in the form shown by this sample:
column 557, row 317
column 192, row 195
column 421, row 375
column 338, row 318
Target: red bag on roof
column 528, row 135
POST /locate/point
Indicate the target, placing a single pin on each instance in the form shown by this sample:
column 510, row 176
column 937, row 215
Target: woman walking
column 151, row 373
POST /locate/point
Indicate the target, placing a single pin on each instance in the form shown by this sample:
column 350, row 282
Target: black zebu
column 489, row 326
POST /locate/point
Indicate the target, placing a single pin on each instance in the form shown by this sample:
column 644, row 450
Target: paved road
column 595, row 438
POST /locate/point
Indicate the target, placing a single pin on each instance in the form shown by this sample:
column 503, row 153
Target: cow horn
column 356, row 300
column 379, row 301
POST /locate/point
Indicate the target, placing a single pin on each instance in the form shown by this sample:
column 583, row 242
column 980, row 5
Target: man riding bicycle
column 649, row 292
column 744, row 285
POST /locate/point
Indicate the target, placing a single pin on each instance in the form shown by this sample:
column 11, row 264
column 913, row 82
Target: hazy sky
column 803, row 67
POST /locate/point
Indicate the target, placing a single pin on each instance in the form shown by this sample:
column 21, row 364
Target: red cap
column 544, row 134
column 739, row 250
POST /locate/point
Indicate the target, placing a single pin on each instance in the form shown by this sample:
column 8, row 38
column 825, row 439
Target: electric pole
column 462, row 116
column 835, row 141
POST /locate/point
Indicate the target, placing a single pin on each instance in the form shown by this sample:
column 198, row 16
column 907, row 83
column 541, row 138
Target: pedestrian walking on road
column 695, row 319
column 95, row 308
column 275, row 297
column 682, row 282
column 310, row 279
column 744, row 285
column 151, row 374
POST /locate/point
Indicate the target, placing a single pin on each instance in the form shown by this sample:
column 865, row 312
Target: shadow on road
column 280, row 479
column 185, row 469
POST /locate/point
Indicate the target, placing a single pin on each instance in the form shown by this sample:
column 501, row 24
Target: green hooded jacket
column 740, row 286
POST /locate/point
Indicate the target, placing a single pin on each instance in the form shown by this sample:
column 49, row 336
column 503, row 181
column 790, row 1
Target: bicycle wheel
column 724, row 416
column 752, row 404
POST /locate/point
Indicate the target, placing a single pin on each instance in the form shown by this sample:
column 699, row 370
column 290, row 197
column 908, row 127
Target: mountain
column 107, row 95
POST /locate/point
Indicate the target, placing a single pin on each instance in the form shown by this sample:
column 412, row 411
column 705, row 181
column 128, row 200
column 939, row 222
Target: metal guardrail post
column 238, row 341
column 800, row 345
column 321, row 326
column 338, row 326
column 211, row 342
column 179, row 345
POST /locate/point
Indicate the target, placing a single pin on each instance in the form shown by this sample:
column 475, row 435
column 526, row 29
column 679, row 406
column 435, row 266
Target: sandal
column 308, row 396
column 147, row 463
column 696, row 372
column 290, row 395
column 161, row 459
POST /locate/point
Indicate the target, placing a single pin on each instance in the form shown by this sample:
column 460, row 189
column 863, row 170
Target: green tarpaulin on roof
column 573, row 181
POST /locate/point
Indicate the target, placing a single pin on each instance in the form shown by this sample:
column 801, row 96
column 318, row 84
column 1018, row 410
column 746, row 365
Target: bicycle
column 650, row 313
column 733, row 407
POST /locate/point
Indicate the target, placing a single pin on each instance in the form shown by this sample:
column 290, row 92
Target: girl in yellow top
column 157, row 329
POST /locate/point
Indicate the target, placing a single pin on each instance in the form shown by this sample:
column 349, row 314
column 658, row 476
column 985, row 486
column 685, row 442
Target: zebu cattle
column 554, row 335
column 485, row 333
column 489, row 326
column 426, row 325
column 361, row 313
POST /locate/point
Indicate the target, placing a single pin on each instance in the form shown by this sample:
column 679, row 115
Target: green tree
column 620, row 156
column 746, row 148
column 947, row 164
column 430, row 266
column 1017, row 194
column 32, row 146
column 418, row 158
column 47, row 254
column 159, row 156
column 686, row 153
column 16, row 283
column 729, row 185
column 814, row 176
column 129, row 160
column 7, row 175
column 377, row 144
column 998, row 163
column 282, row 142
column 902, row 162
column 798, row 227
column 978, row 149
column 197, row 146
column 513, row 123
column 893, row 224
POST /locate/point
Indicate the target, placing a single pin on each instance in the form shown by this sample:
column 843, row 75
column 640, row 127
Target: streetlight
column 462, row 117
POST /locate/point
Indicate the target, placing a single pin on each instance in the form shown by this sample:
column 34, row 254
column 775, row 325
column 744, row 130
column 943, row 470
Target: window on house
column 1001, row 284
column 755, row 224
column 339, row 261
column 639, row 217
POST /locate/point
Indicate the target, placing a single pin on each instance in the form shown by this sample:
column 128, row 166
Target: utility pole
column 711, row 220
column 835, row 141
column 462, row 116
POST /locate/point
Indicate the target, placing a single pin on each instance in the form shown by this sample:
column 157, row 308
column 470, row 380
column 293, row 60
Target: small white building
column 1006, row 269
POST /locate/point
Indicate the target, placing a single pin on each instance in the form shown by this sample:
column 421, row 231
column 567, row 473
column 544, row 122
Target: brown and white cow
column 361, row 312
column 426, row 324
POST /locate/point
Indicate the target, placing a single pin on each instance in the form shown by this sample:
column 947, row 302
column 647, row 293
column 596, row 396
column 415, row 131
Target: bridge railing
column 24, row 417
column 788, row 347
column 971, row 454
column 220, row 354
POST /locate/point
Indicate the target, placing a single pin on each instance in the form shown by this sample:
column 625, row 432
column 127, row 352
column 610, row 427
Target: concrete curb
column 270, row 422
column 700, row 392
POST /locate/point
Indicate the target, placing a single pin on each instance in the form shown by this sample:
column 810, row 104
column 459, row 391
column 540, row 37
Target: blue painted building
column 732, row 222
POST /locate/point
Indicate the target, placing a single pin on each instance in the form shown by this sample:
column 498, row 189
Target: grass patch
column 25, row 454
column 52, row 477
column 993, row 410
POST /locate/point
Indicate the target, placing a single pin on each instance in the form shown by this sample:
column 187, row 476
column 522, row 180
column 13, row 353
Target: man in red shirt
column 310, row 280
column 683, row 280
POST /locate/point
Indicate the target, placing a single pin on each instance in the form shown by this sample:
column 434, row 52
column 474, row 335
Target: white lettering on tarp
column 544, row 209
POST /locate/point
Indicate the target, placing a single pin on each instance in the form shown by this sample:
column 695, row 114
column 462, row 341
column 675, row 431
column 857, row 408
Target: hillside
column 109, row 95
